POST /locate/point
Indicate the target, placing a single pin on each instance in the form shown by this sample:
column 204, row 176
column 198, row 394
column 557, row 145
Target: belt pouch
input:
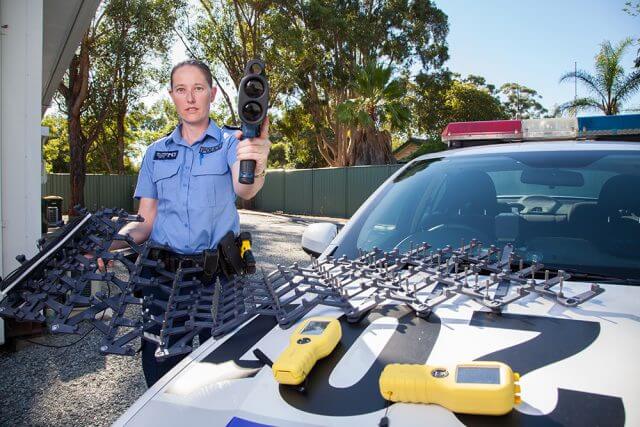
column 210, row 265
column 231, row 254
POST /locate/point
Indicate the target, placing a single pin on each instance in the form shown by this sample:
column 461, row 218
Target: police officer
column 188, row 181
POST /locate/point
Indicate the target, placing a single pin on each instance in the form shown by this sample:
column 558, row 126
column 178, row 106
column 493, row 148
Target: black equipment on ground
column 421, row 278
column 253, row 102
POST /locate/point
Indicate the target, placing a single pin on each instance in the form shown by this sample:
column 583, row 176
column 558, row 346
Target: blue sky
column 534, row 42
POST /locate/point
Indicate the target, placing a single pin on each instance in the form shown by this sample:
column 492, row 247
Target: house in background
column 410, row 146
column 37, row 40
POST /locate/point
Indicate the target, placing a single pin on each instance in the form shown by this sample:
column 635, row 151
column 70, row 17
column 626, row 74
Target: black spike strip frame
column 421, row 278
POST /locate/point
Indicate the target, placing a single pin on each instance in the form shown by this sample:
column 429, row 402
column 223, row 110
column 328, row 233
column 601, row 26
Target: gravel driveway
column 78, row 386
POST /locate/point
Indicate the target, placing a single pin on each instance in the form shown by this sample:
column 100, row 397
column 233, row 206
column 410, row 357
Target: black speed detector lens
column 255, row 68
column 254, row 88
column 252, row 111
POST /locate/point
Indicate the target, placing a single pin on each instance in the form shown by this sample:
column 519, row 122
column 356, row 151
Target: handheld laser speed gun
column 253, row 103
column 315, row 338
column 481, row 388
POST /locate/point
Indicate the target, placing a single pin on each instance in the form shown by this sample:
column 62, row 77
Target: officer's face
column 192, row 94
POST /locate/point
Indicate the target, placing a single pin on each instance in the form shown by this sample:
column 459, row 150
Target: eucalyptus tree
column 445, row 97
column 315, row 48
column 326, row 43
column 75, row 90
column 119, row 57
column 134, row 52
column 522, row 102
column 609, row 87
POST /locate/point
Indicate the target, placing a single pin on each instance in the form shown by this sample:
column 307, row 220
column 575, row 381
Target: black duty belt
column 224, row 259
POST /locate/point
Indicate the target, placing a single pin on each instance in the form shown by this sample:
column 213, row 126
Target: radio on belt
column 315, row 338
column 481, row 388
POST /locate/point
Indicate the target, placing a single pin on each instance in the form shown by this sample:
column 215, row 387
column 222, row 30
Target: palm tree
column 374, row 110
column 609, row 86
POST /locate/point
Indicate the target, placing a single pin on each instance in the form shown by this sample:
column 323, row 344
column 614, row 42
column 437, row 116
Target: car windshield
column 578, row 210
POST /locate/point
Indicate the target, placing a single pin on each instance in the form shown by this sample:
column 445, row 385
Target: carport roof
column 64, row 23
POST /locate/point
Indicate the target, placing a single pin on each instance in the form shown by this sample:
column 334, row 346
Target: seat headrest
column 469, row 192
column 620, row 192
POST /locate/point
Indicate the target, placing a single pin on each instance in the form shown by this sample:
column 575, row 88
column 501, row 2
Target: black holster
column 231, row 263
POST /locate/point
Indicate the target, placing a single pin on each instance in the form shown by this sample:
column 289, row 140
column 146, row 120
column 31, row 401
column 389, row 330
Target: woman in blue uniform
column 188, row 181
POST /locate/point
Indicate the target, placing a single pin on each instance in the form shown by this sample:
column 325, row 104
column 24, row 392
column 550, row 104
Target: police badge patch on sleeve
column 165, row 155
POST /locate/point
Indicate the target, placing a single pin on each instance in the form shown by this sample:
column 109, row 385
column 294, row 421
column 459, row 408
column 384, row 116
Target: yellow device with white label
column 314, row 339
column 481, row 388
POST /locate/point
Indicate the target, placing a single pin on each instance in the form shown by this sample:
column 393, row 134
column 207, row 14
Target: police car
column 572, row 205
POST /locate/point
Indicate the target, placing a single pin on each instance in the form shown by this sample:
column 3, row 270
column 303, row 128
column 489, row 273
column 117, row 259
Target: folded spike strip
column 421, row 278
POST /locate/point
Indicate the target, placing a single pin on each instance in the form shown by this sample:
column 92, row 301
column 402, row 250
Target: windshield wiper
column 602, row 278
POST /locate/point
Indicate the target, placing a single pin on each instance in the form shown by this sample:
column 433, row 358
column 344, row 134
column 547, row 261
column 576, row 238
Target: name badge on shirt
column 208, row 150
column 165, row 155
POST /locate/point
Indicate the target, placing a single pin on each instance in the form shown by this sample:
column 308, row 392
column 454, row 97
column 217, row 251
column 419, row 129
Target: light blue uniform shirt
column 196, row 201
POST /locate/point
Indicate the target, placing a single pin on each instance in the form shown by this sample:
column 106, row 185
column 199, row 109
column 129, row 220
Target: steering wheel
column 450, row 234
column 538, row 204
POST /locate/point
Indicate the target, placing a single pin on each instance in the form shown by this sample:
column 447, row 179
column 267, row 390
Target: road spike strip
column 422, row 278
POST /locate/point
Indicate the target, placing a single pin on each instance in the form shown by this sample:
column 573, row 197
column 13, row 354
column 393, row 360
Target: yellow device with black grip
column 481, row 388
column 313, row 339
column 244, row 240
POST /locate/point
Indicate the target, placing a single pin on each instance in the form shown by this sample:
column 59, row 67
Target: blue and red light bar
column 461, row 134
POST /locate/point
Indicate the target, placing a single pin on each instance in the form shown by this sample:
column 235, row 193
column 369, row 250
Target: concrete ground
column 76, row 385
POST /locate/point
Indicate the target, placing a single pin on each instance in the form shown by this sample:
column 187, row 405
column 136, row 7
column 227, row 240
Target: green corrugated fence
column 335, row 192
column 112, row 191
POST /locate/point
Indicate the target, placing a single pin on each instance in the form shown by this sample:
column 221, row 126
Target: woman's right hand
column 102, row 267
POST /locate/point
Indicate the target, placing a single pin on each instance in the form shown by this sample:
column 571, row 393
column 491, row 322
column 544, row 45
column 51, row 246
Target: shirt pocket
column 166, row 179
column 211, row 182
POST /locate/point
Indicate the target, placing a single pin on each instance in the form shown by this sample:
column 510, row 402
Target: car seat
column 617, row 220
column 469, row 199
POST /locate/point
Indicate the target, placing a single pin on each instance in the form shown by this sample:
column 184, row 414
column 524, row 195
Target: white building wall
column 20, row 154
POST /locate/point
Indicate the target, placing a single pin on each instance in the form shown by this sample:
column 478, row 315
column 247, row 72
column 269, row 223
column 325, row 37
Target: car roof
column 513, row 147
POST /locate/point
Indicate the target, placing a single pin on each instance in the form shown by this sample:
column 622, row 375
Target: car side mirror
column 316, row 237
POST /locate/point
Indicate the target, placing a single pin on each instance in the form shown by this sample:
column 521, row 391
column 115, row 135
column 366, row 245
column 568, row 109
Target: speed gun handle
column 445, row 387
column 248, row 167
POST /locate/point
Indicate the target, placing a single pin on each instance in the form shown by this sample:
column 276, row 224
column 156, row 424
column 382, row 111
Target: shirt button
column 186, row 225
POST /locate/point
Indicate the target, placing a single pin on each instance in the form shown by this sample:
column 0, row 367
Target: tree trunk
column 120, row 137
column 77, row 165
column 369, row 146
column 75, row 95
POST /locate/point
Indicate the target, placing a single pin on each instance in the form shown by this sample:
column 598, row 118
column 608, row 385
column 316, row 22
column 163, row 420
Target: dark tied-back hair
column 194, row 63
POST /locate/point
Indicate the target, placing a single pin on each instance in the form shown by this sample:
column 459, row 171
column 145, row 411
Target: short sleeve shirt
column 194, row 189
